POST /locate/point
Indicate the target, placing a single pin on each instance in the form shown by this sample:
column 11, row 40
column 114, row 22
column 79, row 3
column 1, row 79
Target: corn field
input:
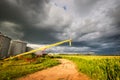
column 98, row 67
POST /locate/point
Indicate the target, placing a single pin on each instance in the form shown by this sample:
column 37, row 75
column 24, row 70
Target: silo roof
column 19, row 41
column 4, row 36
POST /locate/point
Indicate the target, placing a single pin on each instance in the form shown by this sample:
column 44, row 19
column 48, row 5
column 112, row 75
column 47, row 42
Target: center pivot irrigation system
column 41, row 48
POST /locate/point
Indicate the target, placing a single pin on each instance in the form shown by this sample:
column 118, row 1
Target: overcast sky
column 94, row 25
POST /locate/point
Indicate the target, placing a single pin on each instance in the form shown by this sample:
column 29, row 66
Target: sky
column 93, row 25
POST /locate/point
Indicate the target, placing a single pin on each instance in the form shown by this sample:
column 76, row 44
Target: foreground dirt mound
column 65, row 71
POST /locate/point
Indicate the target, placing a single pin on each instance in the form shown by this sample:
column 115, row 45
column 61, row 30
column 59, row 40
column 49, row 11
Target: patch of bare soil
column 65, row 71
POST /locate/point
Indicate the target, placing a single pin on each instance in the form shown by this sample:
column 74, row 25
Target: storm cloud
column 94, row 25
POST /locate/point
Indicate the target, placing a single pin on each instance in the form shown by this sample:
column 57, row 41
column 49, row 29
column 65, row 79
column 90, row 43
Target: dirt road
column 65, row 71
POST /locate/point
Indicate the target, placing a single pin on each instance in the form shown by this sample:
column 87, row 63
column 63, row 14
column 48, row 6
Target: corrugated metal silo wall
column 17, row 47
column 4, row 46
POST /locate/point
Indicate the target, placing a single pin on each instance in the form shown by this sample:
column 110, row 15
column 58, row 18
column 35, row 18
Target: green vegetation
column 12, row 69
column 98, row 67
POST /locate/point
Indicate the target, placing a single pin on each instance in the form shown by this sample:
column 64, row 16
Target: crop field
column 97, row 67
column 12, row 69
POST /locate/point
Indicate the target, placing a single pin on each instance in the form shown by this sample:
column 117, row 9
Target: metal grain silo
column 4, row 46
column 17, row 47
column 28, row 48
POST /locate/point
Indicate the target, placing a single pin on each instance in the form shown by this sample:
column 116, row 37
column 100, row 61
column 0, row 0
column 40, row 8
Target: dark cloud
column 21, row 11
column 34, row 35
column 39, row 21
column 34, row 19
column 9, row 12
column 26, row 13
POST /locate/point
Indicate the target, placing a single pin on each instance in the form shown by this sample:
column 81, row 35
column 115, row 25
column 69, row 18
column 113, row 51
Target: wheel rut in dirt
column 65, row 71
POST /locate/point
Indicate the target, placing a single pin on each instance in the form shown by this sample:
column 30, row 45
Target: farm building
column 4, row 45
column 17, row 47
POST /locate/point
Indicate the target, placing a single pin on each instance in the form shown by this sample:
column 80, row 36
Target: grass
column 12, row 69
column 98, row 67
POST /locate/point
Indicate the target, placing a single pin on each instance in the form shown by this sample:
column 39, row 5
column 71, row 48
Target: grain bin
column 17, row 47
column 28, row 48
column 4, row 46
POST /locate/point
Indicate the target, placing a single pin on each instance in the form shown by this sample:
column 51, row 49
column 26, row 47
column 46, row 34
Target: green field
column 97, row 67
column 12, row 69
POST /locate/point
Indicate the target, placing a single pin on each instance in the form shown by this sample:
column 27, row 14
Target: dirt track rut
column 65, row 71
